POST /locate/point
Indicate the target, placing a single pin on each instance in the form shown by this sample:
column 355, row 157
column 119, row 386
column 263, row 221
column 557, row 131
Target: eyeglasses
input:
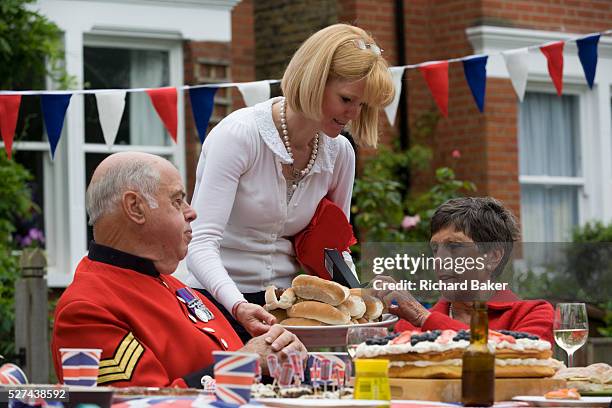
column 362, row 45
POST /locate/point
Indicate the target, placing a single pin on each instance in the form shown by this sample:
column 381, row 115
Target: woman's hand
column 399, row 303
column 254, row 318
column 405, row 306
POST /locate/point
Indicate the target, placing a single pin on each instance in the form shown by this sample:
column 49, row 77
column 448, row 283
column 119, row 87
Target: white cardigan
column 241, row 235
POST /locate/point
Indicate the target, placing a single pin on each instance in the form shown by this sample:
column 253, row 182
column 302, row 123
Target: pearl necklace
column 297, row 174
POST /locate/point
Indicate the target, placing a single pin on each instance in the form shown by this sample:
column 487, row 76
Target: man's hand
column 276, row 341
column 254, row 318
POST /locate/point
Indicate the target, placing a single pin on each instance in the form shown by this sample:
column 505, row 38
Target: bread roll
column 319, row 311
column 286, row 300
column 354, row 305
column 374, row 307
column 315, row 288
column 356, row 292
column 301, row 321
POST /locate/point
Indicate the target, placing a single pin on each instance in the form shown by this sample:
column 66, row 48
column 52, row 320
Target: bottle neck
column 479, row 324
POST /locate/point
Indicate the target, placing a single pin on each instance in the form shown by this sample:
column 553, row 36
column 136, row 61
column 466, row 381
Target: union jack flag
column 273, row 366
column 80, row 367
column 12, row 374
column 286, row 376
column 298, row 365
column 234, row 374
column 326, row 370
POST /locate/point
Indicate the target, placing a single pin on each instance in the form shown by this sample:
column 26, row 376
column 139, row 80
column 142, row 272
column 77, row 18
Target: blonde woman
column 264, row 169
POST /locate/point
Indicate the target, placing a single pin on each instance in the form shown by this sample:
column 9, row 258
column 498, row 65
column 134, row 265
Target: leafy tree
column 30, row 47
column 14, row 203
column 381, row 198
column 30, row 51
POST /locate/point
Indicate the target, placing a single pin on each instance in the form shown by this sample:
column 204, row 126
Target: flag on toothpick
column 164, row 102
column 554, row 55
column 436, row 76
column 475, row 70
column 9, row 112
column 517, row 63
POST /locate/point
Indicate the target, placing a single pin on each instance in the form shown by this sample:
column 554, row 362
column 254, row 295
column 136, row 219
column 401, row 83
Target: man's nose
column 190, row 213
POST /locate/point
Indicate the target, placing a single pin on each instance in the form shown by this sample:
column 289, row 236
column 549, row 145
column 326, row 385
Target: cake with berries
column 438, row 354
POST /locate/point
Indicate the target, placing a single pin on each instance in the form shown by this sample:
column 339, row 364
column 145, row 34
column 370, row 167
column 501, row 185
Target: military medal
column 195, row 305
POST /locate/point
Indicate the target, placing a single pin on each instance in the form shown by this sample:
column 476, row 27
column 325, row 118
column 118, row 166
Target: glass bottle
column 478, row 371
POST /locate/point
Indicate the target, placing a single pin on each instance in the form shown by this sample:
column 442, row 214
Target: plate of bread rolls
column 320, row 311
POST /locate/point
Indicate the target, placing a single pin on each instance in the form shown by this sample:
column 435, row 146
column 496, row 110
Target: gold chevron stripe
column 119, row 351
column 121, row 365
column 129, row 369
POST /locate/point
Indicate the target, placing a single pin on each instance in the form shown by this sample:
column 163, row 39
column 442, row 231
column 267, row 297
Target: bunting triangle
column 587, row 52
column 517, row 63
column 110, row 110
column 391, row 110
column 9, row 112
column 54, row 109
column 254, row 92
column 164, row 101
column 436, row 76
column 202, row 105
column 475, row 70
column 554, row 55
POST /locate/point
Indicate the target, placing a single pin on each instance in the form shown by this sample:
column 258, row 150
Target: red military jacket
column 119, row 303
column 506, row 312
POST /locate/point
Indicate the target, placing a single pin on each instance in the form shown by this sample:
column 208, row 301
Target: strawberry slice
column 404, row 337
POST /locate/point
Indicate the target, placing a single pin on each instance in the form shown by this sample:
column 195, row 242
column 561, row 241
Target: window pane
column 548, row 214
column 106, row 68
column 548, row 136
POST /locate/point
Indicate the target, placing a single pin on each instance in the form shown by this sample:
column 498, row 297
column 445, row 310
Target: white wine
column 571, row 340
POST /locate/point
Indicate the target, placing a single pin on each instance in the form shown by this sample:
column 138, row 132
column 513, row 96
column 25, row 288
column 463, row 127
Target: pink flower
column 456, row 154
column 410, row 222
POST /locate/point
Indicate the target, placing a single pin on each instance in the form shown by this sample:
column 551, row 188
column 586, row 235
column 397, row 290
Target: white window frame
column 152, row 24
column 595, row 127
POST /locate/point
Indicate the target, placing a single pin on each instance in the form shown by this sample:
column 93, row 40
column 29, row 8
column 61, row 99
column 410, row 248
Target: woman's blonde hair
column 342, row 52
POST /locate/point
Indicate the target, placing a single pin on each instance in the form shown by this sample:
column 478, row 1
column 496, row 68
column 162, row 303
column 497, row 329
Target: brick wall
column 488, row 142
column 205, row 61
column 433, row 30
column 282, row 25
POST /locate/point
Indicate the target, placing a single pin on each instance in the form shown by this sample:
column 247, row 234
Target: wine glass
column 570, row 327
column 356, row 335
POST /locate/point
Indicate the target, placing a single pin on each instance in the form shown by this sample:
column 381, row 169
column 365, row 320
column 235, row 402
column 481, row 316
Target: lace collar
column 328, row 147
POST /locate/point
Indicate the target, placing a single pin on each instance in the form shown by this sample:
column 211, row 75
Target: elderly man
column 152, row 329
column 471, row 227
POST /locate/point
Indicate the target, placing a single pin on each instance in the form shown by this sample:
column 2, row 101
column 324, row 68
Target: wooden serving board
column 450, row 390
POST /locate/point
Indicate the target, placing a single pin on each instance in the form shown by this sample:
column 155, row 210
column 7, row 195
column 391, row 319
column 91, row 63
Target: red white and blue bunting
column 111, row 102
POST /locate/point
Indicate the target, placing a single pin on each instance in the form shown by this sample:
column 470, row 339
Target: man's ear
column 134, row 207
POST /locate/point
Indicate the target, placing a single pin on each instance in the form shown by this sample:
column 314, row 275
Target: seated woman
column 481, row 225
